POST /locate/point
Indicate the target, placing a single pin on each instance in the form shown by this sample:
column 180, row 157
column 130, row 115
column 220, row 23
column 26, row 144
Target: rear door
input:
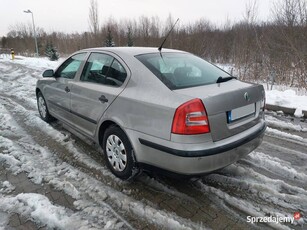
column 100, row 83
column 58, row 92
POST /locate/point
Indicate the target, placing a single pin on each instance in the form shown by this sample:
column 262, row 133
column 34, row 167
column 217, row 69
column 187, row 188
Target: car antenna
column 160, row 47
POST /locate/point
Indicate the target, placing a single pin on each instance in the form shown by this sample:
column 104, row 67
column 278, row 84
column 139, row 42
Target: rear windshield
column 181, row 70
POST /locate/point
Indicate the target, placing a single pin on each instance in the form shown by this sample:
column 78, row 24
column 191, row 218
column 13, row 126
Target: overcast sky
column 72, row 15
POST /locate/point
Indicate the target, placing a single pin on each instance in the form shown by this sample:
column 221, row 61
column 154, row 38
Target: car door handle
column 103, row 99
column 67, row 90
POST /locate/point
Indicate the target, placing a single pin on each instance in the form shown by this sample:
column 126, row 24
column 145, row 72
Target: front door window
column 70, row 67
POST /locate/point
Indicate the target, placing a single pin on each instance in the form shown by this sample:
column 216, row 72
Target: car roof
column 133, row 51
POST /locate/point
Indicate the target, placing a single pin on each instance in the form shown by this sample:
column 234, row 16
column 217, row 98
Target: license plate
column 241, row 112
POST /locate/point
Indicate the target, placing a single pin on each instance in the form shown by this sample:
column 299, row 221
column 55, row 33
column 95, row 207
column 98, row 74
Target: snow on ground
column 261, row 189
column 275, row 123
column 6, row 187
column 37, row 63
column 4, row 219
column 39, row 208
column 287, row 98
column 285, row 135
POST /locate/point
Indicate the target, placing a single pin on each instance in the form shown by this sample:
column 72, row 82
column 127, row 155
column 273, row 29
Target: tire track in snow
column 242, row 187
column 24, row 154
column 238, row 207
column 270, row 181
column 276, row 123
column 238, row 190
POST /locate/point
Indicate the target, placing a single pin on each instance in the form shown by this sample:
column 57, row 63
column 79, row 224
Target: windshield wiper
column 221, row 79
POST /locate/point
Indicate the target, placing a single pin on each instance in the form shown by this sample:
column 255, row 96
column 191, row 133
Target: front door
column 100, row 83
column 58, row 92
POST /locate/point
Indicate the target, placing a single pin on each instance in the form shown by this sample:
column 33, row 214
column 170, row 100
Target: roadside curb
column 285, row 110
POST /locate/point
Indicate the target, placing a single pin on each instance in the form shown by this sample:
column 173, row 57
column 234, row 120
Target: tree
column 51, row 52
column 93, row 17
column 290, row 25
column 129, row 37
column 109, row 39
column 4, row 41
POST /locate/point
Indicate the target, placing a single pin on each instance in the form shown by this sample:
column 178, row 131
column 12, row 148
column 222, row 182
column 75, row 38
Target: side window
column 116, row 74
column 103, row 69
column 70, row 67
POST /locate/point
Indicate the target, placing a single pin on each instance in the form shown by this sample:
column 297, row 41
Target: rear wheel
column 42, row 108
column 119, row 153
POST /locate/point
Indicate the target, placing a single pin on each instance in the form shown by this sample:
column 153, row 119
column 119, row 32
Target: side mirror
column 48, row 73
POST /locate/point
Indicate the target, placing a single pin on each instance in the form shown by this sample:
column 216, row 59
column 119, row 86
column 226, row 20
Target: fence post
column 12, row 53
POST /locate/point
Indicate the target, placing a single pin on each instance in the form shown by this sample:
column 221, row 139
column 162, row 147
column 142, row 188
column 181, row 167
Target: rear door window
column 103, row 69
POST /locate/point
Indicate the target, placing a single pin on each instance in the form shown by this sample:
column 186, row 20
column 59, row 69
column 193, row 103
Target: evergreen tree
column 129, row 37
column 4, row 42
column 51, row 52
column 109, row 39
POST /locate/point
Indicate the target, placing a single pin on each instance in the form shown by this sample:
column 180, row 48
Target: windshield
column 181, row 70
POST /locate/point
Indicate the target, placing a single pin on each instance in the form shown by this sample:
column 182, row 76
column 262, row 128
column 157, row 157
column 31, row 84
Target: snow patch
column 277, row 123
column 241, row 204
column 298, row 112
column 278, row 166
column 6, row 187
column 286, row 135
column 35, row 63
column 287, row 98
column 4, row 220
column 40, row 210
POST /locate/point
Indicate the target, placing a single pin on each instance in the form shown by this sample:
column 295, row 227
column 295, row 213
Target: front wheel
column 119, row 153
column 42, row 108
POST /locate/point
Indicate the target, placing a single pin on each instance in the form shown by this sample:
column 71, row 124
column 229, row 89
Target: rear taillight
column 191, row 118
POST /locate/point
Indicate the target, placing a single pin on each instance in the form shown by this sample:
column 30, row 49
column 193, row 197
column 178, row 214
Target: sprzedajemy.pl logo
column 274, row 219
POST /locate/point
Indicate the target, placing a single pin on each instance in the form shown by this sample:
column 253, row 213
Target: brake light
column 191, row 118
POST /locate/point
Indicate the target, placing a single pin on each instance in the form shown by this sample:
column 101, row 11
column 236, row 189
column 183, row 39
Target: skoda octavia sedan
column 151, row 109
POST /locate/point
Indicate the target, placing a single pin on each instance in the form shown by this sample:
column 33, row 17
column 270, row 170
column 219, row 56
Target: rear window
column 181, row 70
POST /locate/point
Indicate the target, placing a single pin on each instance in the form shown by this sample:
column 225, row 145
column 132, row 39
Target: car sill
column 74, row 113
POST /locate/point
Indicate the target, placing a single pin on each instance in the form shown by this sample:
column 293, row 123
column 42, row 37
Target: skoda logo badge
column 246, row 96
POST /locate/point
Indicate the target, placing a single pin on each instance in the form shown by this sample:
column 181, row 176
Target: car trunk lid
column 232, row 106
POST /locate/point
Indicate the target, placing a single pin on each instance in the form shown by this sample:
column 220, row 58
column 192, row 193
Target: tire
column 42, row 108
column 119, row 154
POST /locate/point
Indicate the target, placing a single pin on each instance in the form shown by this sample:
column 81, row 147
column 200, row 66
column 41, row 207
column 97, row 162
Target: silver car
column 151, row 109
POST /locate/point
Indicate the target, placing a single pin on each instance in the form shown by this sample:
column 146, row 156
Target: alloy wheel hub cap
column 116, row 153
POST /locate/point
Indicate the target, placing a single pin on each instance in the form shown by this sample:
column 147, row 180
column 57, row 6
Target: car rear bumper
column 199, row 159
